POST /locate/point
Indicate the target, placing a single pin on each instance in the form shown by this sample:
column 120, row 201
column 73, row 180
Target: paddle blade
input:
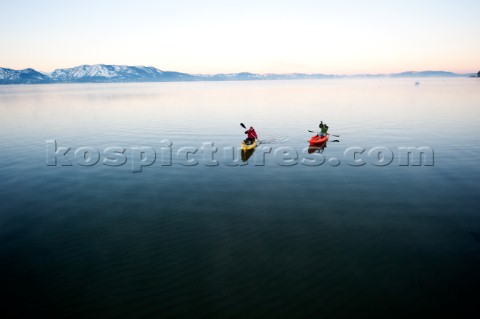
column 242, row 125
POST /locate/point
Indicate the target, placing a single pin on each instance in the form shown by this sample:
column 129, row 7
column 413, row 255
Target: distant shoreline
column 103, row 73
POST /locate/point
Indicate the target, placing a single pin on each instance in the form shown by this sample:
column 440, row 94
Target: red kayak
column 317, row 140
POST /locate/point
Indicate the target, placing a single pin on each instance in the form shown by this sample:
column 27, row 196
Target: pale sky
column 208, row 36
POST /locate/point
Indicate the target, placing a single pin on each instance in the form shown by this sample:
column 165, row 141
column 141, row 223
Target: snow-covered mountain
column 26, row 76
column 124, row 73
column 92, row 73
column 114, row 73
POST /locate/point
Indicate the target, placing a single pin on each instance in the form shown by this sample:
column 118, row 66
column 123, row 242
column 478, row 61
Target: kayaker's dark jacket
column 251, row 133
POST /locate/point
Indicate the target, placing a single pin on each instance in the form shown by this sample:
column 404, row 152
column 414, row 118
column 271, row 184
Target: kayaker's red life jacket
column 251, row 133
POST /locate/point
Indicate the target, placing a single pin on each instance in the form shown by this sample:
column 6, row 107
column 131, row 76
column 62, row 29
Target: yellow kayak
column 246, row 147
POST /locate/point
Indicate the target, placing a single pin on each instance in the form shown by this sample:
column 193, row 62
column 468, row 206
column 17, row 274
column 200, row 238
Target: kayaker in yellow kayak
column 251, row 135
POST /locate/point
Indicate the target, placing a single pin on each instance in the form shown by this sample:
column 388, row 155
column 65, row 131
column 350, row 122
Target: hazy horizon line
column 251, row 72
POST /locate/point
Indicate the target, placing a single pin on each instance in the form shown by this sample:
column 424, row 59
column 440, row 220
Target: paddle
column 327, row 133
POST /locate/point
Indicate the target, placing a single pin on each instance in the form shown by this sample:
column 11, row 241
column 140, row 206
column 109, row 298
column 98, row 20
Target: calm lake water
column 261, row 240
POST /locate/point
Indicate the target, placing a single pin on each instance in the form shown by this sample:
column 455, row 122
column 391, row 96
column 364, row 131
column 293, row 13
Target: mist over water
column 249, row 240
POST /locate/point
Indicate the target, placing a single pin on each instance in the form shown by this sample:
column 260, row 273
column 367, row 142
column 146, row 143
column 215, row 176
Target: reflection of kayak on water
column 316, row 148
column 247, row 153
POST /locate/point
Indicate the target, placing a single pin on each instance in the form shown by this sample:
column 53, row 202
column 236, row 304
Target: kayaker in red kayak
column 251, row 135
column 323, row 128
